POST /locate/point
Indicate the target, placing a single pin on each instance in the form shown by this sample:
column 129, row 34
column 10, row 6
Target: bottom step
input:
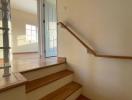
column 64, row 92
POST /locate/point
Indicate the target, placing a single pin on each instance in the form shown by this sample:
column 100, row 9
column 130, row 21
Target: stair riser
column 75, row 95
column 44, row 72
column 17, row 93
column 43, row 91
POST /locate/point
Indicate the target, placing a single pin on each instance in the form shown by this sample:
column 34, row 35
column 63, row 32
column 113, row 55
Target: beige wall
column 106, row 25
column 19, row 21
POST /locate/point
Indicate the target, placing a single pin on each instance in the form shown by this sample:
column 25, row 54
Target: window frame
column 29, row 36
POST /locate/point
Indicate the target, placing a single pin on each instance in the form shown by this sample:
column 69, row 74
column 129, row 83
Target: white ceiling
column 25, row 5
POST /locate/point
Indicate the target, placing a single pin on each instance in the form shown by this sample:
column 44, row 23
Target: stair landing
column 23, row 63
column 28, row 62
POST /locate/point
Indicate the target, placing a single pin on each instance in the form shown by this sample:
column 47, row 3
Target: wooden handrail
column 72, row 33
column 90, row 50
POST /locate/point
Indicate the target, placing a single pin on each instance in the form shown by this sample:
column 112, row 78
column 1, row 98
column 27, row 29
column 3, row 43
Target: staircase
column 52, row 83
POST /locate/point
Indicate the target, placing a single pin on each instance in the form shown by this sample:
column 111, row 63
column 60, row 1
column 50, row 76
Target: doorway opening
column 24, row 21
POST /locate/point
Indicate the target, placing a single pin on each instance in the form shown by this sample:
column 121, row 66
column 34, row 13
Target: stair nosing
column 42, row 67
column 30, row 90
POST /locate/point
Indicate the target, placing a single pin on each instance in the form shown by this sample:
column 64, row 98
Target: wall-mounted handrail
column 92, row 51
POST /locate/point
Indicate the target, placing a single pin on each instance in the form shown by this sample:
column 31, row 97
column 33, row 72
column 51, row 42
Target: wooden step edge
column 11, row 82
column 64, row 92
column 59, row 61
column 80, row 86
column 35, row 84
column 81, row 97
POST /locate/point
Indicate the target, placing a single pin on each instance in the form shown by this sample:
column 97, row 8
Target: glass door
column 50, row 28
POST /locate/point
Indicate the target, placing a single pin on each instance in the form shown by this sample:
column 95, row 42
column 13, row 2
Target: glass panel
column 29, row 27
column 52, row 25
column 34, row 28
column 28, row 35
column 50, row 28
column 34, row 36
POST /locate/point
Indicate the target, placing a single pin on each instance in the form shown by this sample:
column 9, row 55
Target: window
column 31, row 33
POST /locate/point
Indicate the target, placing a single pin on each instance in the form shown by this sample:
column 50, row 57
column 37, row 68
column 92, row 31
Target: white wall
column 106, row 25
column 19, row 21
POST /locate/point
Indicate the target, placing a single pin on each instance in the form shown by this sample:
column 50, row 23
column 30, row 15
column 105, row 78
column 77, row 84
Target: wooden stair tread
column 81, row 97
column 64, row 92
column 32, row 85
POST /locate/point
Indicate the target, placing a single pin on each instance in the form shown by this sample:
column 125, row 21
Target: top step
column 25, row 65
